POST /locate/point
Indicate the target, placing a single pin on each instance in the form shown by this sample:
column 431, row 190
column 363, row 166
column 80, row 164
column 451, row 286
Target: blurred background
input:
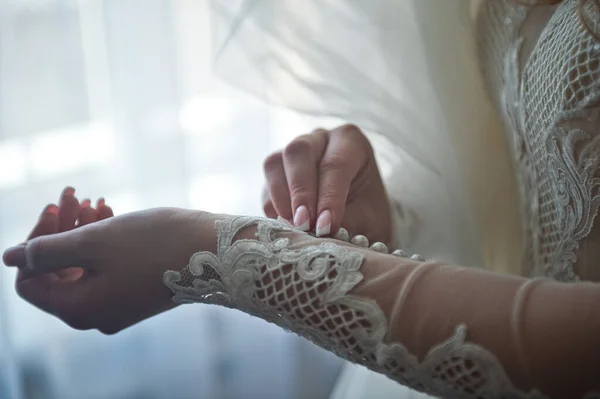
column 118, row 98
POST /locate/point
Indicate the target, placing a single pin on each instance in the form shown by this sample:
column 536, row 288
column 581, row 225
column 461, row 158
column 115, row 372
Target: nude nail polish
column 302, row 218
column 51, row 209
column 324, row 224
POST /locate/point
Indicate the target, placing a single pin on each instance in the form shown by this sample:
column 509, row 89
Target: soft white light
column 287, row 124
column 217, row 193
column 70, row 149
column 123, row 202
column 13, row 166
column 203, row 115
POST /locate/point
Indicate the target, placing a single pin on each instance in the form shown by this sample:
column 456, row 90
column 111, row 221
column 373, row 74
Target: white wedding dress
column 488, row 114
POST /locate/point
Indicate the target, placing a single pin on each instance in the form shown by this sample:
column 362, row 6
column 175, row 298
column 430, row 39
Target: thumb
column 49, row 253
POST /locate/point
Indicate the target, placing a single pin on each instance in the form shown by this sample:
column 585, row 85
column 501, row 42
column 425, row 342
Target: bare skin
column 328, row 179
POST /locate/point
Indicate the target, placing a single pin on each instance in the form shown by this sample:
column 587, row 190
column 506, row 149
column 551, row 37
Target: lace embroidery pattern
column 543, row 106
column 306, row 289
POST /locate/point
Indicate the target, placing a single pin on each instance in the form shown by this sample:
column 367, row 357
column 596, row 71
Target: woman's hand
column 68, row 215
column 106, row 274
column 328, row 179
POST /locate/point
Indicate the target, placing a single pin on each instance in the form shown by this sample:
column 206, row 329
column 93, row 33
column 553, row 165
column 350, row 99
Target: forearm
column 403, row 318
column 545, row 335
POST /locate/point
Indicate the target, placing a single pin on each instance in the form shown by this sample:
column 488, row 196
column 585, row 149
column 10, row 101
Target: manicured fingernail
column 86, row 203
column 69, row 191
column 51, row 209
column 101, row 202
column 302, row 218
column 324, row 224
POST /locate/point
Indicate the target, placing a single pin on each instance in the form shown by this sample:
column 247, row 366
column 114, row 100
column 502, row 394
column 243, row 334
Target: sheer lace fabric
column 547, row 84
column 541, row 66
column 342, row 298
column 389, row 68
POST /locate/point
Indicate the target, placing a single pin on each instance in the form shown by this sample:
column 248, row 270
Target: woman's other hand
column 69, row 214
column 328, row 179
column 95, row 271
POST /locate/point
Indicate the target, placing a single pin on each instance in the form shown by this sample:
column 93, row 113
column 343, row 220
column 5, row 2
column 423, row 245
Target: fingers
column 45, row 278
column 300, row 161
column 311, row 178
column 268, row 207
column 292, row 180
column 66, row 299
column 87, row 214
column 47, row 223
column 346, row 154
column 51, row 253
column 68, row 210
column 36, row 289
column 50, row 222
column 277, row 185
column 103, row 211
column 58, row 252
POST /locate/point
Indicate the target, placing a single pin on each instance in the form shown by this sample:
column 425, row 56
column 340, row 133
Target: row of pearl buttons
column 362, row 241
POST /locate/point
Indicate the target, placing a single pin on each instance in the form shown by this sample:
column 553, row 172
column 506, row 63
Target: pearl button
column 342, row 234
column 400, row 253
column 360, row 240
column 380, row 247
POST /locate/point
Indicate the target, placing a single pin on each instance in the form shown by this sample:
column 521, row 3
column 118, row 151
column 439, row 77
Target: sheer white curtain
column 117, row 98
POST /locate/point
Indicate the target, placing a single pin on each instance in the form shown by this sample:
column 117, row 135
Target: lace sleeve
column 444, row 330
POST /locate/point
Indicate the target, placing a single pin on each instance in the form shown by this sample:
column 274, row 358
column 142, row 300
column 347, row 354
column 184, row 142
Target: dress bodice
column 408, row 71
column 542, row 67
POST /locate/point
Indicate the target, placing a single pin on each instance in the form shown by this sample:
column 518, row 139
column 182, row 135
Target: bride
column 484, row 115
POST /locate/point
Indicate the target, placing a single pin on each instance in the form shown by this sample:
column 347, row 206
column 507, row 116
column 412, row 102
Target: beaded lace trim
column 306, row 286
column 549, row 111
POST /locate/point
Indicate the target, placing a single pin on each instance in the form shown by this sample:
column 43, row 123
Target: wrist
column 219, row 250
column 197, row 231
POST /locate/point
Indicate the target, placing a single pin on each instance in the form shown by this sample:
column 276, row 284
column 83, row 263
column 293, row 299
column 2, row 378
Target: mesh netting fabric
column 407, row 320
column 547, row 83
